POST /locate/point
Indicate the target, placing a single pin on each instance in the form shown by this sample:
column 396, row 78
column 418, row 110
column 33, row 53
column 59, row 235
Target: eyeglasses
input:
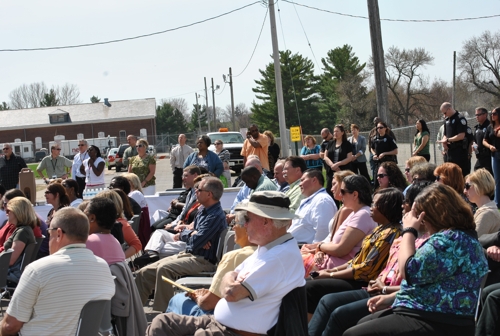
column 467, row 185
column 407, row 170
column 6, row 148
column 52, row 229
column 200, row 190
column 80, row 145
column 479, row 114
column 48, row 192
column 438, row 177
column 494, row 113
column 380, row 127
column 381, row 175
column 57, row 149
column 139, row 146
column 217, row 143
column 345, row 191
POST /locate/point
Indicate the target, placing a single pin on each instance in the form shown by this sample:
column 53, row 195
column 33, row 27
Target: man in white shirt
column 77, row 162
column 178, row 155
column 252, row 293
column 53, row 290
column 316, row 209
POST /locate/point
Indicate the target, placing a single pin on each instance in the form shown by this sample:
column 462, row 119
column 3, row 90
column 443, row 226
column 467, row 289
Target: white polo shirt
column 53, row 290
column 316, row 212
column 268, row 274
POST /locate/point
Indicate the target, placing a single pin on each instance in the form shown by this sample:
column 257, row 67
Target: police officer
column 483, row 154
column 454, row 139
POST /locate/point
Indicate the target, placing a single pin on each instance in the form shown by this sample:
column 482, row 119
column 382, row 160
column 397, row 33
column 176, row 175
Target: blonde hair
column 24, row 212
column 117, row 200
column 415, row 160
column 310, row 137
column 482, row 181
column 134, row 181
column 270, row 135
column 143, row 142
column 341, row 175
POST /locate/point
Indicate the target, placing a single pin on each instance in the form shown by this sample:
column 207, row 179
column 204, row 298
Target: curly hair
column 396, row 177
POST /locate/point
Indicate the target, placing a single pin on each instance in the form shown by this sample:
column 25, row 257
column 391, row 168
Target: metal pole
column 285, row 150
column 198, row 112
column 232, row 98
column 454, row 76
column 378, row 61
column 206, row 103
column 213, row 101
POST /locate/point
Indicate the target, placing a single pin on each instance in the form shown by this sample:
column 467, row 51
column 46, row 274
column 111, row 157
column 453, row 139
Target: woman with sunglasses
column 93, row 168
column 389, row 175
column 224, row 156
column 480, row 190
column 371, row 258
column 421, row 140
column 337, row 155
column 384, row 148
column 492, row 142
column 144, row 166
column 55, row 195
column 205, row 158
column 71, row 187
column 439, row 293
column 410, row 163
column 21, row 214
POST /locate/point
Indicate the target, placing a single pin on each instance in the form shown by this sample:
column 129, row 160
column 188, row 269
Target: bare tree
column 68, row 94
column 409, row 87
column 181, row 105
column 479, row 61
column 32, row 95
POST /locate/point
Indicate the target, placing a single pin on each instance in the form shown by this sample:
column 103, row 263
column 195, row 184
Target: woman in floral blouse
column 439, row 293
column 144, row 166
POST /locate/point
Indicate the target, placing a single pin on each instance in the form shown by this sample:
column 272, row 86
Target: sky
column 174, row 64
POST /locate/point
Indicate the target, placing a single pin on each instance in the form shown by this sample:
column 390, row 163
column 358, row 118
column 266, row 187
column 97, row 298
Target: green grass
column 33, row 166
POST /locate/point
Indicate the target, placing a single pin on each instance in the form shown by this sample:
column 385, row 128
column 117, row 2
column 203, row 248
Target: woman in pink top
column 101, row 213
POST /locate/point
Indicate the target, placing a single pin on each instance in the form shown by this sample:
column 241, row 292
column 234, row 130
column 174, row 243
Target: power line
column 256, row 44
column 393, row 20
column 134, row 37
column 184, row 94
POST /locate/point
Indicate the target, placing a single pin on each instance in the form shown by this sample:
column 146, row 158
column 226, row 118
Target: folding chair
column 4, row 270
column 483, row 282
column 134, row 223
column 90, row 318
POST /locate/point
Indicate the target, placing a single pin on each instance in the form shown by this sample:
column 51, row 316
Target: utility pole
column 454, row 76
column 213, row 101
column 198, row 112
column 232, row 98
column 279, row 88
column 378, row 61
column 206, row 103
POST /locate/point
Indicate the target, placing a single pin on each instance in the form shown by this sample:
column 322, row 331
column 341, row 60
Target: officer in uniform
column 454, row 139
column 483, row 154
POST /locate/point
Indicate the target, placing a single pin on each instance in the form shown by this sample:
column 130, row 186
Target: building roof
column 138, row 109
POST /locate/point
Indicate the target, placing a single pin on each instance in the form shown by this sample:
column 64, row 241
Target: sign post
column 295, row 137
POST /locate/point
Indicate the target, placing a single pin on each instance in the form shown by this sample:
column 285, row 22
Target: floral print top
column 444, row 275
column 140, row 167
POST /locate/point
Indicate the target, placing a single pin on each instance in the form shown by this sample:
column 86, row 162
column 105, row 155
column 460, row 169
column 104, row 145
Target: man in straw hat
column 257, row 286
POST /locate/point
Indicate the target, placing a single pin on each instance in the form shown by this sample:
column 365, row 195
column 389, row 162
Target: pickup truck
column 233, row 142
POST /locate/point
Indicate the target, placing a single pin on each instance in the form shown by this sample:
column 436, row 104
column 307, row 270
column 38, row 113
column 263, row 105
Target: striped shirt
column 53, row 290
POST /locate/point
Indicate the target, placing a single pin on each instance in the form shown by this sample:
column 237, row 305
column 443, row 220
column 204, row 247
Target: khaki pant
column 173, row 267
column 179, row 325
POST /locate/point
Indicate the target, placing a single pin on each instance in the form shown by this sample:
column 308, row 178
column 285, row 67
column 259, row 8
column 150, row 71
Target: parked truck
column 233, row 142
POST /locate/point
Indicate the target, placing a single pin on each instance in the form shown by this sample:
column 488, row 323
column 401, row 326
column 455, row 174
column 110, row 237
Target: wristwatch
column 411, row 230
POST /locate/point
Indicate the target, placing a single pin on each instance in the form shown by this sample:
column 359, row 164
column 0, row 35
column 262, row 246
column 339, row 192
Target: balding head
column 69, row 226
column 253, row 161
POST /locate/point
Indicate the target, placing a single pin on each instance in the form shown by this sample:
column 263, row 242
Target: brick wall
column 89, row 130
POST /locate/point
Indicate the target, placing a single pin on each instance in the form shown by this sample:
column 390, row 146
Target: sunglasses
column 381, row 175
column 479, row 114
column 6, row 148
column 48, row 192
column 494, row 113
column 81, row 145
column 467, row 186
column 218, row 143
column 438, row 177
column 381, row 127
column 57, row 149
column 139, row 146
column 407, row 170
column 344, row 191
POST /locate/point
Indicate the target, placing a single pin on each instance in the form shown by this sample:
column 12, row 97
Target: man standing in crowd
column 483, row 154
column 454, row 141
column 256, row 144
column 53, row 290
column 315, row 210
column 177, row 157
column 201, row 248
column 77, row 162
column 251, row 295
column 279, row 180
column 294, row 167
column 54, row 164
column 131, row 151
column 10, row 166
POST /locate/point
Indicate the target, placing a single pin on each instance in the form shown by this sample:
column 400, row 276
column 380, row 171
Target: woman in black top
column 273, row 151
column 384, row 147
column 492, row 141
column 338, row 155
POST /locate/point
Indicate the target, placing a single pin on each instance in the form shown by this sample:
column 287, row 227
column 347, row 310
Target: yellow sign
column 295, row 133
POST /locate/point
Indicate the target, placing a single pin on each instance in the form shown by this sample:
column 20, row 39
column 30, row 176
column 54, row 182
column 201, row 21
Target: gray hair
column 84, row 141
column 214, row 185
column 240, row 217
column 281, row 223
column 73, row 222
column 8, row 145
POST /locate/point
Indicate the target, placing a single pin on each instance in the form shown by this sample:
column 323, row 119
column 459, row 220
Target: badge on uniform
column 463, row 121
column 453, row 121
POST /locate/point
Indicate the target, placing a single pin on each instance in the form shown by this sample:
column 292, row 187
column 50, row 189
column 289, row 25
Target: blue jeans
column 338, row 312
column 495, row 165
column 182, row 305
